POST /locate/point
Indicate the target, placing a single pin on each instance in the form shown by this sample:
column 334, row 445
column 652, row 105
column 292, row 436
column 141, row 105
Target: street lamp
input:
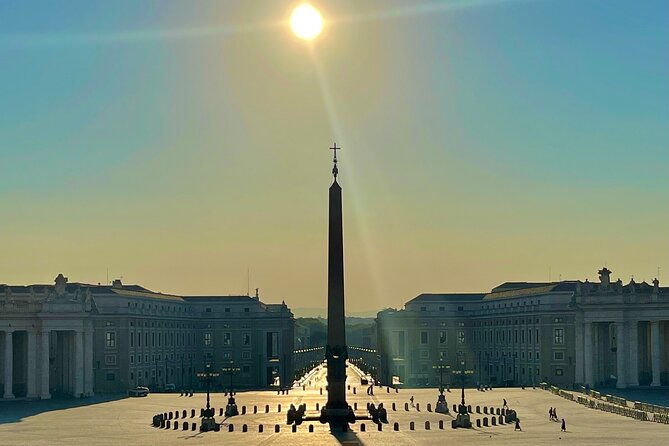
column 442, row 406
column 231, row 409
column 462, row 419
column 208, row 422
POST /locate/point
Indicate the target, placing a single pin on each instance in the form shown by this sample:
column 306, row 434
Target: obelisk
column 336, row 352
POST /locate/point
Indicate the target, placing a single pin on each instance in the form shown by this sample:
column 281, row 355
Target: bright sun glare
column 306, row 22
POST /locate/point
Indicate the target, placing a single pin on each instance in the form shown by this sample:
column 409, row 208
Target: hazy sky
column 178, row 143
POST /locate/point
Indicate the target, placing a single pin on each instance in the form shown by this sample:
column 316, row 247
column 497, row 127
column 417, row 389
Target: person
column 564, row 426
column 505, row 405
column 517, row 428
column 550, row 414
column 555, row 417
column 411, row 399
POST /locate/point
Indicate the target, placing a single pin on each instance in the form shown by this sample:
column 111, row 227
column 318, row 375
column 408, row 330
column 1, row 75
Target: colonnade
column 33, row 355
column 634, row 342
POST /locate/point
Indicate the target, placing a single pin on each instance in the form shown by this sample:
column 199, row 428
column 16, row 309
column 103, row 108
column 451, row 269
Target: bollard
column 396, row 426
column 455, row 408
column 317, row 407
column 176, row 414
column 394, row 408
column 441, row 424
column 321, row 391
column 185, row 414
column 429, row 407
column 493, row 421
column 277, row 428
column 417, row 407
column 478, row 409
column 485, row 410
column 387, row 389
column 185, row 425
column 412, row 426
column 498, row 411
column 354, row 391
column 362, row 427
column 231, row 427
column 368, row 404
column 201, row 412
column 170, row 415
column 261, row 428
column 243, row 410
column 162, row 423
column 176, row 425
column 379, row 427
column 193, row 426
column 501, row 419
column 492, row 410
column 294, row 428
column 469, row 408
column 427, row 425
column 478, row 422
column 255, row 409
column 503, row 411
column 311, row 428
column 192, row 413
column 406, row 407
column 279, row 408
column 396, row 390
column 245, row 428
column 485, row 421
column 220, row 413
column 453, row 426
column 349, row 387
column 168, row 424
column 266, row 408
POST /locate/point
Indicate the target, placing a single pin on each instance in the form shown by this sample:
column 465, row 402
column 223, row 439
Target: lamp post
column 442, row 406
column 207, row 376
column 231, row 408
column 462, row 419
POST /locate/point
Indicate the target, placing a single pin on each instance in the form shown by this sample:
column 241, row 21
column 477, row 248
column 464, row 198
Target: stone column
column 633, row 362
column 44, row 366
column 78, row 364
column 9, row 365
column 656, row 351
column 580, row 368
column 31, row 378
column 88, row 363
column 587, row 352
column 621, row 353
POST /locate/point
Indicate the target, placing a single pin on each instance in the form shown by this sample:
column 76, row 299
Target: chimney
column 257, row 296
column 117, row 284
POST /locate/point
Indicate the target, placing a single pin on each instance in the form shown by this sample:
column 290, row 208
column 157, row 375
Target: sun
column 306, row 22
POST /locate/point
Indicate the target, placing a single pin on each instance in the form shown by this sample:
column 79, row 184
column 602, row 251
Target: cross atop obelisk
column 335, row 171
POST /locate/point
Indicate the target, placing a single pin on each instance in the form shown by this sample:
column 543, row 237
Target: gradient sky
column 178, row 143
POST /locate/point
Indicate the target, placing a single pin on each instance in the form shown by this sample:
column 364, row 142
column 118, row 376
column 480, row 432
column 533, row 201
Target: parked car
column 138, row 391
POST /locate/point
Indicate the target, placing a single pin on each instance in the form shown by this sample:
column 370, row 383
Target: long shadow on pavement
column 15, row 411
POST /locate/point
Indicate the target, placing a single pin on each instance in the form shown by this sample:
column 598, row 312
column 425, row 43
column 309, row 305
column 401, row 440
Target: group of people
column 552, row 415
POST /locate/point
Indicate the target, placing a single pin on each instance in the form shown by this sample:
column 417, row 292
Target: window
column 227, row 355
column 461, row 337
column 246, row 369
column 558, row 356
column 558, row 336
column 246, row 339
column 110, row 339
column 529, row 355
column 132, row 359
column 559, row 372
column 207, row 339
column 423, row 337
column 208, row 310
column 443, row 337
column 247, row 310
column 132, row 339
column 442, row 308
column 139, row 359
column 443, row 354
column 461, row 308
column 227, row 310
column 423, row 308
column 110, row 359
column 246, row 354
column 424, row 354
column 227, row 338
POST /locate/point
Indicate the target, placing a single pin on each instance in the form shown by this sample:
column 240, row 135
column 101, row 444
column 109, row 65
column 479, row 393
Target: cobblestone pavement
column 127, row 421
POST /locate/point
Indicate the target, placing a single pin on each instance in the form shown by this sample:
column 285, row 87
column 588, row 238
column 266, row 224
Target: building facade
column 567, row 332
column 77, row 339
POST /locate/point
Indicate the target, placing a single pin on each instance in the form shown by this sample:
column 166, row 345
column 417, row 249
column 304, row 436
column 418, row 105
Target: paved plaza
column 127, row 421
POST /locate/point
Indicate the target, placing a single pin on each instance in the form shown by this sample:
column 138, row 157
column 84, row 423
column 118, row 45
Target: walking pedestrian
column 564, row 426
column 550, row 414
column 555, row 414
column 505, row 405
column 517, row 428
column 411, row 399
